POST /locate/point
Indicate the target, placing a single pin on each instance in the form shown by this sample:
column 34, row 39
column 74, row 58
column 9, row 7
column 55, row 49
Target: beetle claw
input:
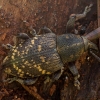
column 77, row 84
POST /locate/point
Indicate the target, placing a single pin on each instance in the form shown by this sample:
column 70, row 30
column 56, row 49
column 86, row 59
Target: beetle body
column 46, row 54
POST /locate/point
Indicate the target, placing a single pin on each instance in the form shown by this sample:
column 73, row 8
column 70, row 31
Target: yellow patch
column 12, row 57
column 26, row 62
column 27, row 73
column 19, row 70
column 30, row 67
column 20, row 45
column 35, row 65
column 18, row 53
column 15, row 67
column 35, row 38
column 32, row 41
column 23, row 66
column 21, row 75
column 40, row 70
column 13, row 54
column 42, row 58
column 44, row 71
column 8, row 70
column 47, row 62
column 15, row 50
column 30, row 46
column 39, row 48
column 48, row 73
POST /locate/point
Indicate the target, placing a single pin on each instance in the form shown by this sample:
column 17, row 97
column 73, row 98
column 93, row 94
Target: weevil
column 46, row 53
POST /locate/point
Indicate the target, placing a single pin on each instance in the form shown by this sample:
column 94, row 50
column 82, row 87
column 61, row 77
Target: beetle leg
column 32, row 31
column 47, row 84
column 7, row 46
column 75, row 73
column 57, row 74
column 93, row 54
column 23, row 36
column 10, row 80
column 20, row 37
column 87, row 9
column 70, row 27
column 44, row 30
column 27, row 81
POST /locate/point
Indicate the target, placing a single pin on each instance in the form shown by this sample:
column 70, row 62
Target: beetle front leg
column 7, row 46
column 75, row 73
column 87, row 9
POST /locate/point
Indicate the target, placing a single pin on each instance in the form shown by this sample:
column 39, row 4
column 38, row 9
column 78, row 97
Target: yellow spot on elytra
column 47, row 62
column 13, row 54
column 14, row 66
column 22, row 72
column 39, row 47
column 48, row 73
column 8, row 70
column 35, row 38
column 21, row 75
column 23, row 66
column 27, row 73
column 32, row 41
column 19, row 70
column 12, row 57
column 18, row 53
column 40, row 70
column 44, row 71
column 35, row 65
column 42, row 58
column 30, row 67
column 26, row 62
column 30, row 46
column 15, row 50
column 20, row 45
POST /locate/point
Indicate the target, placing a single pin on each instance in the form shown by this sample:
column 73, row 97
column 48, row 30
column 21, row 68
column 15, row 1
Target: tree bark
column 19, row 15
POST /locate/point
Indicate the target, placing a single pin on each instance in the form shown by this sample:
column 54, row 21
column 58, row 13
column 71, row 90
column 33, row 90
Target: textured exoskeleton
column 46, row 54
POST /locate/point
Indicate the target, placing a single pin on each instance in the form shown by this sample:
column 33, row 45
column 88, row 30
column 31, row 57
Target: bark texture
column 18, row 16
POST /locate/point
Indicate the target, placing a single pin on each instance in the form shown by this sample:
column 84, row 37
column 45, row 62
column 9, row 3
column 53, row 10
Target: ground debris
column 3, row 93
